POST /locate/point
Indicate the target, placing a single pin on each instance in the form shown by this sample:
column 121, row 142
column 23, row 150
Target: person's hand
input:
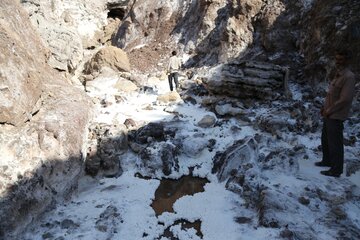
column 325, row 113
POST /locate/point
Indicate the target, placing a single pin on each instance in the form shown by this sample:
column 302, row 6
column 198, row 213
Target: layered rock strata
column 249, row 80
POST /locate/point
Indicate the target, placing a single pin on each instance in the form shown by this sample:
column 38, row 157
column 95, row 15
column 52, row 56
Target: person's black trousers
column 171, row 77
column 332, row 142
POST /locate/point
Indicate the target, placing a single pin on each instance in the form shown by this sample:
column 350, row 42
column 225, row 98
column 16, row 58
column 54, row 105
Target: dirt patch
column 152, row 55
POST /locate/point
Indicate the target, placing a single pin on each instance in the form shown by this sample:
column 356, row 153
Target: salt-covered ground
column 119, row 208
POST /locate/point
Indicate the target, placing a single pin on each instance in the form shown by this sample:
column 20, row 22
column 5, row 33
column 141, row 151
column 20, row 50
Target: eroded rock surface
column 43, row 125
column 111, row 57
column 249, row 80
column 67, row 28
column 21, row 82
column 330, row 25
column 105, row 146
column 244, row 166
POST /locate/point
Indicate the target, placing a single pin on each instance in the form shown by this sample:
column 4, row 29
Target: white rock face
column 65, row 46
column 43, row 125
column 67, row 27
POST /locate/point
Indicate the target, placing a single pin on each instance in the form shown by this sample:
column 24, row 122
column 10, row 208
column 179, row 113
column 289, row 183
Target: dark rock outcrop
column 249, row 80
column 149, row 132
column 329, row 25
column 106, row 145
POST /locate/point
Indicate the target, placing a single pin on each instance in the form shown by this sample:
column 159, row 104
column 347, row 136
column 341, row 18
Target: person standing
column 173, row 69
column 334, row 112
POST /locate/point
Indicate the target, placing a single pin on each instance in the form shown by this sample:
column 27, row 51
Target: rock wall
column 328, row 26
column 301, row 35
column 68, row 27
column 213, row 31
column 20, row 85
column 43, row 123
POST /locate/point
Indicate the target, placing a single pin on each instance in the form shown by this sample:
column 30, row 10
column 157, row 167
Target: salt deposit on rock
column 254, row 156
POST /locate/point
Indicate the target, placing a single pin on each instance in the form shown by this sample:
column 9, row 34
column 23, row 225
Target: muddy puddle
column 184, row 225
column 171, row 190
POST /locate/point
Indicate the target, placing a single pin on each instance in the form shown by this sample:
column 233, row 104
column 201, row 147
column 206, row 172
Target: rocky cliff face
column 328, row 26
column 21, row 83
column 213, row 31
column 67, row 27
column 301, row 35
column 43, row 124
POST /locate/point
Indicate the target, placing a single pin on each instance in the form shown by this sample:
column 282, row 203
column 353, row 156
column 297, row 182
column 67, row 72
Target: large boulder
column 111, row 57
column 43, row 126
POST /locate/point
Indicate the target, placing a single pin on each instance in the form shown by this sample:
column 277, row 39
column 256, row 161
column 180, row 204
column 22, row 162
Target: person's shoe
column 322, row 164
column 330, row 173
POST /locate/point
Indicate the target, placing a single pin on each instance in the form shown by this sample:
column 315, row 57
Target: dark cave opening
column 116, row 13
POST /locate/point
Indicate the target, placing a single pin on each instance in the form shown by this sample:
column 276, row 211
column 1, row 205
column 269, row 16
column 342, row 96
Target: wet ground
column 171, row 190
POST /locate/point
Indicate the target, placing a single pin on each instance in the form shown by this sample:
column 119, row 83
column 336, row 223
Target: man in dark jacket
column 335, row 111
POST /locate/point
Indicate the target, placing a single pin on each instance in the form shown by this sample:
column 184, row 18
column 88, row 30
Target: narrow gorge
column 95, row 146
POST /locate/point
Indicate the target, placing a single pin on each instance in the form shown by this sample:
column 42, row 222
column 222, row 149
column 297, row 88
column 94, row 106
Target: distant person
column 335, row 111
column 173, row 69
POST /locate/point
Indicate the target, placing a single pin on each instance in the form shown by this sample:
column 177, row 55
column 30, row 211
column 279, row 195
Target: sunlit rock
column 124, row 85
column 207, row 121
column 43, row 126
column 111, row 57
column 169, row 97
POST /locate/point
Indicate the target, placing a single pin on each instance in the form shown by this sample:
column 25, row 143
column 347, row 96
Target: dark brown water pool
column 171, row 190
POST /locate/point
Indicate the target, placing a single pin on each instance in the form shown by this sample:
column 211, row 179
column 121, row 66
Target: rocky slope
column 214, row 31
column 43, row 124
column 255, row 158
column 301, row 35
column 67, row 28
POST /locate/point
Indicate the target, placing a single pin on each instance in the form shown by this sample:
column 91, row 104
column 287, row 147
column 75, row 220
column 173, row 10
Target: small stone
column 68, row 223
column 207, row 121
column 339, row 213
column 47, row 235
column 130, row 123
column 286, row 233
column 304, row 200
column 101, row 228
column 243, row 220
